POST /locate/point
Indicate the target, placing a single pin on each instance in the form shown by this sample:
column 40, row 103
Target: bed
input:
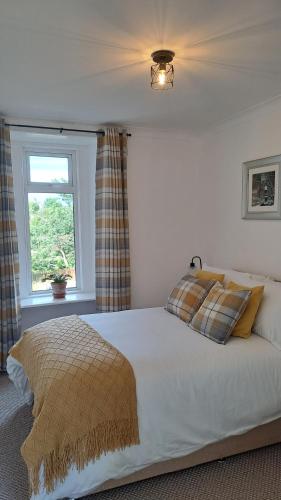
column 197, row 400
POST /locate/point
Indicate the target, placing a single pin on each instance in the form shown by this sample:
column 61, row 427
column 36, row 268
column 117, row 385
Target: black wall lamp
column 192, row 264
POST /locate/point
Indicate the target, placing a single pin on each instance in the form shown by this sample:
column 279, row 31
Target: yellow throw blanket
column 84, row 398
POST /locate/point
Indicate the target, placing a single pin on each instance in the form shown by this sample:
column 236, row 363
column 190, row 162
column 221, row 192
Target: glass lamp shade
column 162, row 76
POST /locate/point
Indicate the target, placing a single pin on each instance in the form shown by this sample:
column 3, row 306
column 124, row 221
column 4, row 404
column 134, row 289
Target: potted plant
column 58, row 284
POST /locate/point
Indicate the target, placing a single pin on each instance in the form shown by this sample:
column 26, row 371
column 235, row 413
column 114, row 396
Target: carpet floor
column 254, row 475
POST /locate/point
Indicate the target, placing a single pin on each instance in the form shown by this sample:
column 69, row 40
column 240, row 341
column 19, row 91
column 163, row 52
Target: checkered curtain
column 9, row 262
column 112, row 229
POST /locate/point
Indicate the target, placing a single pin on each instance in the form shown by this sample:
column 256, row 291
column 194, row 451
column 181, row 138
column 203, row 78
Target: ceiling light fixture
column 162, row 73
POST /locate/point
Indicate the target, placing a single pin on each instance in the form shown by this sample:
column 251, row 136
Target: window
column 51, row 217
column 54, row 197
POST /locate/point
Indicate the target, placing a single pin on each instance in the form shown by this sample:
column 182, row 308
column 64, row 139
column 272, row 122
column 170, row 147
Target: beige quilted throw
column 84, row 398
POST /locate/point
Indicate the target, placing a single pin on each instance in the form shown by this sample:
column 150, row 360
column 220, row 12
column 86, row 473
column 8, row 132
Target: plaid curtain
column 112, row 229
column 9, row 262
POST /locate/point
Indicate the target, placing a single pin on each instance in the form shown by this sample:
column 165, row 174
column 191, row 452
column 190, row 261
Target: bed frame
column 263, row 435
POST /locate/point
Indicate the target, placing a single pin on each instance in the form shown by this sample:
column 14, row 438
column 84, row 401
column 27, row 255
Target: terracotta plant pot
column 59, row 290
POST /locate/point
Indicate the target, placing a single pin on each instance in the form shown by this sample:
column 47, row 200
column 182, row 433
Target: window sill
column 47, row 300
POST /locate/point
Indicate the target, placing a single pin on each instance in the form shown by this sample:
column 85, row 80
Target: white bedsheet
column 190, row 390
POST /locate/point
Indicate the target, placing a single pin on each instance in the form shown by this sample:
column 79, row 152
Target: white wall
column 33, row 315
column 231, row 241
column 185, row 199
column 163, row 183
column 163, row 189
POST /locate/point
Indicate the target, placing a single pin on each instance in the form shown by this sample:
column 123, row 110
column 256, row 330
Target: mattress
column 191, row 392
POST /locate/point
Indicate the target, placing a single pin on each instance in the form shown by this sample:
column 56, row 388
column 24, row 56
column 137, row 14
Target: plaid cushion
column 220, row 312
column 186, row 298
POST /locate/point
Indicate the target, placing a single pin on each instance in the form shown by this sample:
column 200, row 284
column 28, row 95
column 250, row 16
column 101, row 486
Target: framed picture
column 261, row 188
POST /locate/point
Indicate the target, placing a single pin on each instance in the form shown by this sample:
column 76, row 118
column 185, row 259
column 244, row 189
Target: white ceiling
column 88, row 61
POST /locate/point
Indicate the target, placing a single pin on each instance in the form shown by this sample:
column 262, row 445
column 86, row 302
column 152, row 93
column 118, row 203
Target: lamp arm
column 192, row 264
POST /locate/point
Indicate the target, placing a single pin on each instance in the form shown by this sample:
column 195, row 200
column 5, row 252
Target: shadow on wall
column 33, row 315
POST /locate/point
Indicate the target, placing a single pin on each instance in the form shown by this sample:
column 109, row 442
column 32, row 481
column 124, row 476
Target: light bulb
column 162, row 77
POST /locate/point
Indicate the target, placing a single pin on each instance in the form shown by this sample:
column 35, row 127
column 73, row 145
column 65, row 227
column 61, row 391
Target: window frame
column 83, row 152
column 50, row 187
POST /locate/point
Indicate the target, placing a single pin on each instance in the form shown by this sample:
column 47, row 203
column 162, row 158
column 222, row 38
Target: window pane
column 52, row 239
column 48, row 169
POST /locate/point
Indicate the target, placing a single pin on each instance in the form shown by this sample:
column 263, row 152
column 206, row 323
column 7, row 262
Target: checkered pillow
column 186, row 298
column 220, row 312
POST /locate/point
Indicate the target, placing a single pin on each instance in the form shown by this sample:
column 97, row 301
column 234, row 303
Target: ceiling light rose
column 162, row 73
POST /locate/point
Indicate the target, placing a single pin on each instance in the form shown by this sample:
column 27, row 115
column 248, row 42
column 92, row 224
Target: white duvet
column 190, row 391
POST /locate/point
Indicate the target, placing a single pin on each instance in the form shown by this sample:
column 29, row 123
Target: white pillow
column 229, row 274
column 257, row 277
column 268, row 320
column 261, row 277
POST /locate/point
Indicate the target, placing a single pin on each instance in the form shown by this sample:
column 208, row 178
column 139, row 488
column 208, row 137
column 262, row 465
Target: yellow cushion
column 207, row 275
column 243, row 327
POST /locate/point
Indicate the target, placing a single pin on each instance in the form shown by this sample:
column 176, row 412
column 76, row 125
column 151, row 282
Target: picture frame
column 261, row 188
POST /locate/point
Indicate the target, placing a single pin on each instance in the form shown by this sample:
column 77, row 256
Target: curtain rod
column 60, row 129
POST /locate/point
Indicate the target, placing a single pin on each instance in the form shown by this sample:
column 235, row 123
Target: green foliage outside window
column 51, row 233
